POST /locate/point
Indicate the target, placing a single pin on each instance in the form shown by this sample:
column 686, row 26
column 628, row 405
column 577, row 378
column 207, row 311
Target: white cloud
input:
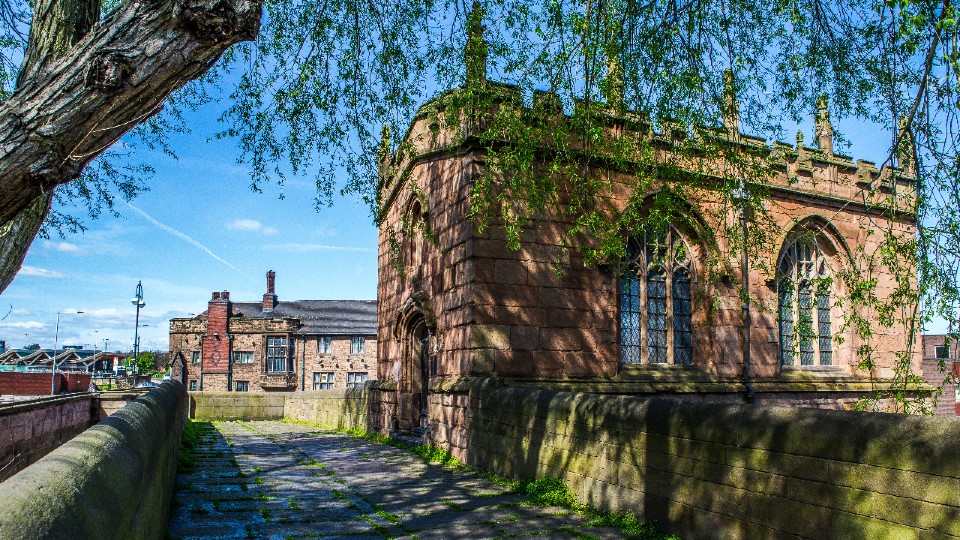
column 250, row 225
column 40, row 272
column 63, row 247
column 20, row 312
column 32, row 325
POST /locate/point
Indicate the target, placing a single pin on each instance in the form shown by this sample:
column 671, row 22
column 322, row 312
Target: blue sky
column 198, row 229
column 201, row 229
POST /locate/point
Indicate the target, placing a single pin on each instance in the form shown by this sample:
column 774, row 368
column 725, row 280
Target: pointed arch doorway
column 419, row 370
column 414, row 328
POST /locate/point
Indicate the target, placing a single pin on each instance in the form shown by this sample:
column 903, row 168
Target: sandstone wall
column 30, row 430
column 340, row 408
column 710, row 470
column 237, row 405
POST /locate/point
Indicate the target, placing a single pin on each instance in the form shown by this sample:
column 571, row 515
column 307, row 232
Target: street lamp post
column 53, row 361
column 137, row 300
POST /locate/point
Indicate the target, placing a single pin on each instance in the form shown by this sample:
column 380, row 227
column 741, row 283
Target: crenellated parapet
column 471, row 117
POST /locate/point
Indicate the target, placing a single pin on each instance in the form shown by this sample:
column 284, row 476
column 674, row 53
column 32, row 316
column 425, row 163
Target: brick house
column 275, row 345
column 936, row 350
column 465, row 306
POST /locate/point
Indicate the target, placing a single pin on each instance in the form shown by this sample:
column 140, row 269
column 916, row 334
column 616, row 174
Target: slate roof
column 320, row 317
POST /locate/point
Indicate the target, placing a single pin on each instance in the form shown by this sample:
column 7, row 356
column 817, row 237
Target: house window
column 193, row 386
column 277, row 354
column 195, row 357
column 356, row 379
column 323, row 380
column 324, row 345
column 942, row 352
column 656, row 315
column 357, row 345
column 803, row 297
column 241, row 386
column 242, row 357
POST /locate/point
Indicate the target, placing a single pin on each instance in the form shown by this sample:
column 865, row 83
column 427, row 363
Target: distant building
column 938, row 349
column 275, row 345
column 72, row 359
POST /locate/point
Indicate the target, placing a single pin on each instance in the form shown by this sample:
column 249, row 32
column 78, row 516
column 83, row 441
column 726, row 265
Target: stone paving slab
column 281, row 480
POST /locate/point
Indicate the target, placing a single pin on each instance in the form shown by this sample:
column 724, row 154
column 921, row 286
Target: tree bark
column 57, row 26
column 67, row 110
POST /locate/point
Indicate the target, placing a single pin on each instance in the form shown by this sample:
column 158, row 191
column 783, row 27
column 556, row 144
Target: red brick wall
column 38, row 384
column 216, row 345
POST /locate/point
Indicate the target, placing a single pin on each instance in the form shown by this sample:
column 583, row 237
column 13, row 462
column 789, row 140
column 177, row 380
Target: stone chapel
column 456, row 305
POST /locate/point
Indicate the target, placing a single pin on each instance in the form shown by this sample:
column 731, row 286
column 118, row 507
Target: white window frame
column 353, row 376
column 241, row 386
column 242, row 357
column 357, row 345
column 324, row 345
column 323, row 380
column 275, row 344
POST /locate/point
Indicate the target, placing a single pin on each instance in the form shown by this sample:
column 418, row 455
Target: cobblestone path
column 278, row 480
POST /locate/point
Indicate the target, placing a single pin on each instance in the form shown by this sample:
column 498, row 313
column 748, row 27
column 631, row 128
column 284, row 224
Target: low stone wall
column 31, row 429
column 237, row 405
column 709, row 470
column 340, row 408
column 114, row 480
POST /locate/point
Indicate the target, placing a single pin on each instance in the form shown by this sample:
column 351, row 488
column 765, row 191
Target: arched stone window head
column 656, row 325
column 804, row 290
column 414, row 251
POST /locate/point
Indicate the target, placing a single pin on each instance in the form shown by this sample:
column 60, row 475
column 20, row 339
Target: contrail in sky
column 178, row 234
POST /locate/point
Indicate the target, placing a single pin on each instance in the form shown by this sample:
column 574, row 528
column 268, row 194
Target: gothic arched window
column 415, row 226
column 803, row 296
column 656, row 325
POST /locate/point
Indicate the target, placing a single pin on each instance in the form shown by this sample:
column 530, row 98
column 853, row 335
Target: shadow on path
column 278, row 480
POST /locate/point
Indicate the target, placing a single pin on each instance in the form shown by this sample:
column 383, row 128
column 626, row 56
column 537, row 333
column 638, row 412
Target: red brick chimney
column 216, row 345
column 270, row 299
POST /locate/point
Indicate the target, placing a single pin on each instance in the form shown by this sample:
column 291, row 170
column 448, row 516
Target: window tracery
column 804, row 288
column 656, row 325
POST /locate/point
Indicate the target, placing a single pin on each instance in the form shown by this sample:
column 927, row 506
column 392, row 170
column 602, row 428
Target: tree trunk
column 56, row 27
column 68, row 109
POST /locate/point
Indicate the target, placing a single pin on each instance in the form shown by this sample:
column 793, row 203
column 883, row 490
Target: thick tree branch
column 72, row 109
column 56, row 27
